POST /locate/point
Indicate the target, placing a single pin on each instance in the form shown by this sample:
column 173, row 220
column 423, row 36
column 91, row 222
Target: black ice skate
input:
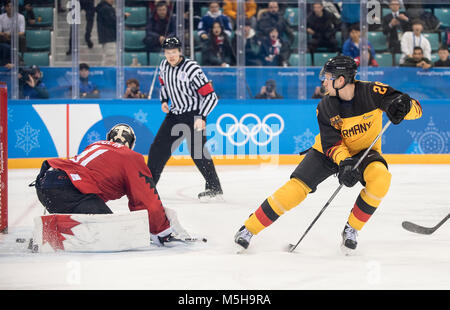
column 349, row 242
column 243, row 237
column 211, row 195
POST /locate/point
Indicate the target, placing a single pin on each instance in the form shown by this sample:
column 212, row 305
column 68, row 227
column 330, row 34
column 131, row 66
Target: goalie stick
column 34, row 248
column 421, row 229
column 292, row 247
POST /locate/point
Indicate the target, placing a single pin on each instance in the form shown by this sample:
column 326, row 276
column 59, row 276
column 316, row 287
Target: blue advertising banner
column 63, row 128
column 422, row 84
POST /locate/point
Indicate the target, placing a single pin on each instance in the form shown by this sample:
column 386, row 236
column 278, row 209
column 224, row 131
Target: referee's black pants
column 173, row 131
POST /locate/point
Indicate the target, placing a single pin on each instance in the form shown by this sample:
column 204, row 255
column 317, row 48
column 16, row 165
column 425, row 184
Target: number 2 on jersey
column 380, row 88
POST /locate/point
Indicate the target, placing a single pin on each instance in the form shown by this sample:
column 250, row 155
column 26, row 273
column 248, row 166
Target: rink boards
column 239, row 132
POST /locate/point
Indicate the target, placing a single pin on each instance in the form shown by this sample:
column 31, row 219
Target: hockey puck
column 205, row 240
column 21, row 240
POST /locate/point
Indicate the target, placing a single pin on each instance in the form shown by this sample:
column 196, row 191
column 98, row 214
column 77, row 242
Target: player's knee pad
column 378, row 180
column 288, row 196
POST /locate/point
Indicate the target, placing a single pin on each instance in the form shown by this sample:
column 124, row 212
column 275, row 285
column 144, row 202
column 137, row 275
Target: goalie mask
column 123, row 134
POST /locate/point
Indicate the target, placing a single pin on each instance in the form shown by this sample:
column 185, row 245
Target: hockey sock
column 284, row 199
column 378, row 180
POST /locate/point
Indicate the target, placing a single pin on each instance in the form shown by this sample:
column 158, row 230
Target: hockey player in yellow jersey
column 350, row 118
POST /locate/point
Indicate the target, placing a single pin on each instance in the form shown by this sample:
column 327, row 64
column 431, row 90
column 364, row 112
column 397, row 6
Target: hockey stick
column 150, row 91
column 421, row 229
column 292, row 247
column 184, row 240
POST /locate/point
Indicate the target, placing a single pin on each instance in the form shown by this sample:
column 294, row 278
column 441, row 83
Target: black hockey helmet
column 171, row 43
column 123, row 134
column 340, row 66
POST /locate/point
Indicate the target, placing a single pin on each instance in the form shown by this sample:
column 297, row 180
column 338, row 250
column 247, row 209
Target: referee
column 192, row 98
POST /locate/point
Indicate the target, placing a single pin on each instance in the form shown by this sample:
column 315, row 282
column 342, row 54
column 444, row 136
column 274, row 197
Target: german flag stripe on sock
column 362, row 211
column 265, row 214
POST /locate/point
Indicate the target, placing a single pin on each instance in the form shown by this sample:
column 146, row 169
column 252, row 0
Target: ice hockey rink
column 388, row 257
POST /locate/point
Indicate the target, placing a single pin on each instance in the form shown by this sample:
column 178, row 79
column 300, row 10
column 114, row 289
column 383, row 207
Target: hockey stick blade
column 409, row 226
column 417, row 228
column 291, row 247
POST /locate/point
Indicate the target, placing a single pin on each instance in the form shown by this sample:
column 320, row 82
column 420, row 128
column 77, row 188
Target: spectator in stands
column 28, row 12
column 350, row 13
column 133, row 91
column 5, row 27
column 351, row 46
column 273, row 18
column 275, row 51
column 393, row 23
column 321, row 25
column 218, row 51
column 159, row 26
column 31, row 85
column 444, row 60
column 252, row 46
column 106, row 29
column 269, row 91
column 388, row 2
column 89, row 8
column 230, row 10
column 214, row 14
column 411, row 39
column 417, row 60
column 87, row 88
column 152, row 6
column 5, row 55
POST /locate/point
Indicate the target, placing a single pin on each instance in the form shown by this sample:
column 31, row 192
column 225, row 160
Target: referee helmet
column 171, row 43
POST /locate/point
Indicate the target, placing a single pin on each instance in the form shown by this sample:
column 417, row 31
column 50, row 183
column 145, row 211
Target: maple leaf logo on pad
column 54, row 226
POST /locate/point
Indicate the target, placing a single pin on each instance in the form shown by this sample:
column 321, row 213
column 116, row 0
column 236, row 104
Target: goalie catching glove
column 399, row 108
column 347, row 175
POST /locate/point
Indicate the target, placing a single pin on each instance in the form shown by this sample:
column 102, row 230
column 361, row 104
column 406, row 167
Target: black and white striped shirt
column 187, row 88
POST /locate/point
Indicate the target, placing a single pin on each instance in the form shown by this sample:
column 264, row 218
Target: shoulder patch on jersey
column 337, row 122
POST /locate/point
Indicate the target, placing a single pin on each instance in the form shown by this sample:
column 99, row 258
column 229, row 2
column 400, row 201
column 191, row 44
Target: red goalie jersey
column 111, row 170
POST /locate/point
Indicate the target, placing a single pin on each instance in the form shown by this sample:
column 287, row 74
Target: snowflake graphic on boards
column 27, row 138
column 431, row 140
column 93, row 136
column 304, row 141
column 141, row 116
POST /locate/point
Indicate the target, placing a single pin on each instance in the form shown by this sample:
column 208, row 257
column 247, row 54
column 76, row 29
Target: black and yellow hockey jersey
column 348, row 127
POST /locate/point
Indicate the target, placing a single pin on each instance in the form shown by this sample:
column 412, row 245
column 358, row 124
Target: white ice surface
column 388, row 257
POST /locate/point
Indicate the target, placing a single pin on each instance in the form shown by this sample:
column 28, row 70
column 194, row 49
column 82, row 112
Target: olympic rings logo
column 250, row 133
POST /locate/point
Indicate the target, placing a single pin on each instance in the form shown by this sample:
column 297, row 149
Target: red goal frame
column 3, row 158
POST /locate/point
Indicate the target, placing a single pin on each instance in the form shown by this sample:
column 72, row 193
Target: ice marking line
column 23, row 215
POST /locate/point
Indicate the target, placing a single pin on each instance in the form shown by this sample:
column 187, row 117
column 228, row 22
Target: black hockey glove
column 347, row 175
column 159, row 241
column 398, row 109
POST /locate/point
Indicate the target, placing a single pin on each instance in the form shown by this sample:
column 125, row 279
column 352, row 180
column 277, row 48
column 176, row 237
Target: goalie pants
column 173, row 131
column 313, row 170
column 58, row 195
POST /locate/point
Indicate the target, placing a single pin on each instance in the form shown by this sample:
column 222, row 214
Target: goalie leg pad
column 91, row 232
